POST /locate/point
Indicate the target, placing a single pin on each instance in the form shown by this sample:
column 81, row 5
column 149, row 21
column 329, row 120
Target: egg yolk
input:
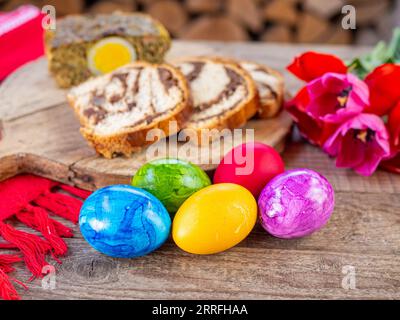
column 110, row 56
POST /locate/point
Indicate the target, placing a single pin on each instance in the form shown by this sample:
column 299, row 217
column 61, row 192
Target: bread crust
column 132, row 140
column 49, row 33
column 231, row 119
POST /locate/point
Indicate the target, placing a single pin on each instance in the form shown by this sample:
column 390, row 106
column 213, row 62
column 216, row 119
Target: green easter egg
column 172, row 181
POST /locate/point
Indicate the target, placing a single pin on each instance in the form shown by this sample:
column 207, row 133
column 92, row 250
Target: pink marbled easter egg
column 296, row 203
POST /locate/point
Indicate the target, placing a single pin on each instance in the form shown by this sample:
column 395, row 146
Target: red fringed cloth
column 31, row 200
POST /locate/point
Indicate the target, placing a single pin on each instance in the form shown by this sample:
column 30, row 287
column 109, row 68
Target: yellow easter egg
column 214, row 219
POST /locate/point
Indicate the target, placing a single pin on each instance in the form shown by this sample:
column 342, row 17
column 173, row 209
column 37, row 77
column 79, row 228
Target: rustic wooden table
column 363, row 236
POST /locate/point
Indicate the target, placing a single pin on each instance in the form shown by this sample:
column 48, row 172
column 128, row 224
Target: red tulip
column 312, row 65
column 394, row 126
column 314, row 130
column 392, row 165
column 384, row 84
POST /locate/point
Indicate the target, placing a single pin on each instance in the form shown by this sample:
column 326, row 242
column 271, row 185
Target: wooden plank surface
column 364, row 233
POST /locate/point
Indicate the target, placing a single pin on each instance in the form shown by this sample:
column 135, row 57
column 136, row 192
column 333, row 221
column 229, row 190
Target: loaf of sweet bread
column 85, row 45
column 224, row 95
column 118, row 109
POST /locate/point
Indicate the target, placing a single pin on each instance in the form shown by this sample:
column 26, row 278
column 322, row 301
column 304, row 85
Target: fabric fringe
column 83, row 194
column 6, row 262
column 7, row 290
column 7, row 246
column 34, row 248
column 61, row 205
column 38, row 219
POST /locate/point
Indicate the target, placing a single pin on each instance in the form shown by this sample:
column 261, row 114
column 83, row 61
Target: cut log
column 203, row 6
column 311, row 28
column 337, row 35
column 12, row 4
column 278, row 33
column 281, row 11
column 214, row 28
column 64, row 7
column 371, row 12
column 245, row 12
column 324, row 9
column 170, row 13
column 112, row 6
column 146, row 3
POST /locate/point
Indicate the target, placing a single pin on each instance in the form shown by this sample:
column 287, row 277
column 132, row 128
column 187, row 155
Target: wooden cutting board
column 40, row 135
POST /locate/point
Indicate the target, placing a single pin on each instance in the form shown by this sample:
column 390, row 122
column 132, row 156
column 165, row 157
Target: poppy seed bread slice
column 270, row 86
column 224, row 95
column 118, row 109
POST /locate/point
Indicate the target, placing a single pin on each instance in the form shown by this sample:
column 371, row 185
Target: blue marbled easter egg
column 124, row 222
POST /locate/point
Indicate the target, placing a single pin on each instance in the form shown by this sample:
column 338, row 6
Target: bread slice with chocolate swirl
column 118, row 109
column 224, row 95
column 270, row 86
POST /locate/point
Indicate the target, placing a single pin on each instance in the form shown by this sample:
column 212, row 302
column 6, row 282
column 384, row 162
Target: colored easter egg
column 124, row 222
column 172, row 181
column 296, row 203
column 251, row 165
column 214, row 219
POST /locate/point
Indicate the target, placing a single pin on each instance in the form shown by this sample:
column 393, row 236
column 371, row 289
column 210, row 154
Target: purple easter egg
column 296, row 203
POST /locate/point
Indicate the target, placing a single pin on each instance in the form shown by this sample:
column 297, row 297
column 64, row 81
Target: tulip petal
column 373, row 156
column 332, row 144
column 336, row 97
column 363, row 92
column 351, row 153
column 384, row 84
column 334, row 81
column 323, row 105
column 311, row 65
column 394, row 126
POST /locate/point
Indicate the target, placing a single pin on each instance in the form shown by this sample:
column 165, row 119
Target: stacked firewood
column 308, row 21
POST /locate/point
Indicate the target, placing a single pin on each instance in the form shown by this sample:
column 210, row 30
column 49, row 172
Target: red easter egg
column 251, row 165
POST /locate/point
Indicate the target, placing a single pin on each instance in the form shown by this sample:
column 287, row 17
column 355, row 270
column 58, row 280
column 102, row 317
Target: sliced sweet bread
column 223, row 94
column 118, row 109
column 270, row 86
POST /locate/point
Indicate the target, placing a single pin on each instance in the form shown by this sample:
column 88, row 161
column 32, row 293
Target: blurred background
column 294, row 21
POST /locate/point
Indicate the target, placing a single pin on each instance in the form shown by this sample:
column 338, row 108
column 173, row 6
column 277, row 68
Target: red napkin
column 29, row 200
column 21, row 38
